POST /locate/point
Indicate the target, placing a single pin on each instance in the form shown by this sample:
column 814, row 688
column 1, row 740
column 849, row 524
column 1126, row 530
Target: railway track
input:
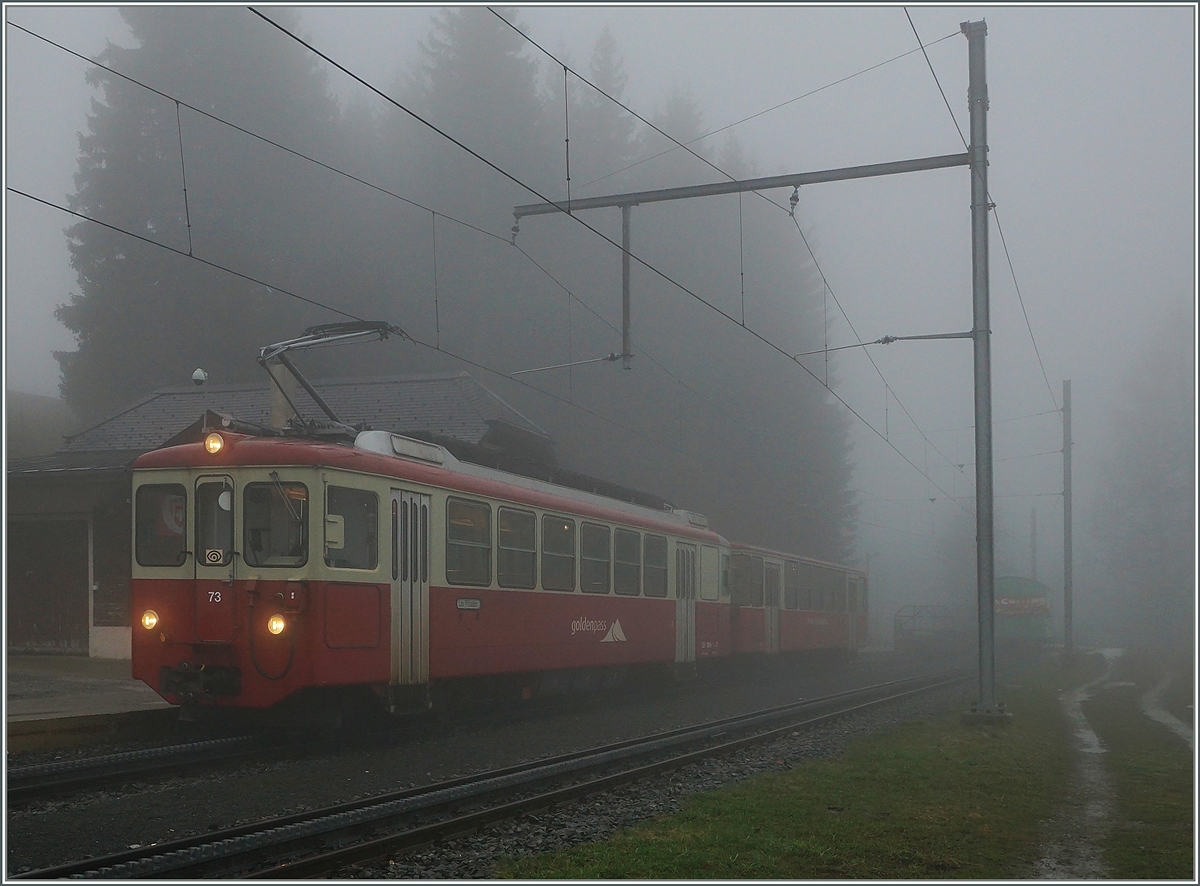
column 325, row 841
column 63, row 778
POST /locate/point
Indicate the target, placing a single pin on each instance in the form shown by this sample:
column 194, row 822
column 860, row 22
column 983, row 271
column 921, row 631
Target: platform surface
column 45, row 687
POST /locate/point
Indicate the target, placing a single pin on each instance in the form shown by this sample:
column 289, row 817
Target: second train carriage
column 263, row 566
column 785, row 603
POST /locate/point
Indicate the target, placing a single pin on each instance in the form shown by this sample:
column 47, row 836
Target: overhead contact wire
column 259, row 137
column 878, row 371
column 995, row 215
column 352, row 177
column 589, row 227
column 433, row 212
column 766, row 111
column 312, row 301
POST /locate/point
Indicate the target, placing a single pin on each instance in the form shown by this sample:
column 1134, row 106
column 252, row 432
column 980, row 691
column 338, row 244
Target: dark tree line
column 709, row 417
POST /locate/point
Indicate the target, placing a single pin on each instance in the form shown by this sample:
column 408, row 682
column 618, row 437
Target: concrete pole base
column 995, row 715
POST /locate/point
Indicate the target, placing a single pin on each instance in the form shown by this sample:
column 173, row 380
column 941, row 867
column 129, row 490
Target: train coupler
column 194, row 683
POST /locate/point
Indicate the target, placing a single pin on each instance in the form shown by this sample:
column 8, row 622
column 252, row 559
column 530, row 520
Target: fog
column 1092, row 169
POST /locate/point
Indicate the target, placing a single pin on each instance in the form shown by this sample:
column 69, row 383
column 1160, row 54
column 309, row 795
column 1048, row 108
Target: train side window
column 468, row 542
column 516, row 549
column 161, row 516
column 726, row 579
column 627, row 568
column 558, row 553
column 595, row 549
column 275, row 524
column 359, row 513
column 827, row 580
column 839, row 591
column 809, row 595
column 654, row 562
column 772, row 584
column 791, row 585
column 709, row 573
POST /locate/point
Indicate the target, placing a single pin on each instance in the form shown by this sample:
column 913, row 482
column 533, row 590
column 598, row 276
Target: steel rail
column 241, row 850
column 330, row 862
column 61, row 777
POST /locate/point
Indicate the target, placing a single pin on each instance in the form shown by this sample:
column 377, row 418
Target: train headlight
column 149, row 619
column 213, row 443
column 276, row 624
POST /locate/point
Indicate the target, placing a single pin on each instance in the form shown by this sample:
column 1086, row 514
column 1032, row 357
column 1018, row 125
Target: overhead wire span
column 775, row 107
column 998, row 421
column 610, row 358
column 573, row 297
column 433, row 212
column 878, row 371
column 282, row 291
column 180, row 252
column 262, row 138
column 473, row 363
column 183, row 173
column 1021, row 301
column 791, row 212
column 618, row 102
column 350, row 176
column 589, row 227
column 935, row 78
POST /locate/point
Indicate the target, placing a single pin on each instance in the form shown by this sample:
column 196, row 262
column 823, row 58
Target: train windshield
column 275, row 516
column 161, row 513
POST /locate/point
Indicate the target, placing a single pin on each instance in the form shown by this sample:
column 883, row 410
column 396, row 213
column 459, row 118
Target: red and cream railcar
column 263, row 566
column 785, row 603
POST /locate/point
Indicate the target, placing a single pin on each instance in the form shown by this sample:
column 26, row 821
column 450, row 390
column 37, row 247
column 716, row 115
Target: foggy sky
column 1092, row 149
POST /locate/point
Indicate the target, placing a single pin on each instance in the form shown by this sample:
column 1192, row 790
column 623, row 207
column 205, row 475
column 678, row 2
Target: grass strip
column 1153, row 777
column 926, row 800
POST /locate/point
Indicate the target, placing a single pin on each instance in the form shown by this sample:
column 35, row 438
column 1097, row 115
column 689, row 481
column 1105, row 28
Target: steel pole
column 626, row 318
column 1033, row 544
column 1068, row 578
column 976, row 33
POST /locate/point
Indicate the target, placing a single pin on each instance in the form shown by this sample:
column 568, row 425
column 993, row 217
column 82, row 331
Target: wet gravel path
column 95, row 824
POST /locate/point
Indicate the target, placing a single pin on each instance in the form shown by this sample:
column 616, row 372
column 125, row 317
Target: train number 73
column 214, row 596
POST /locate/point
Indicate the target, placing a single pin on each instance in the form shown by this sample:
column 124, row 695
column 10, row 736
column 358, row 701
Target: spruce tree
column 145, row 317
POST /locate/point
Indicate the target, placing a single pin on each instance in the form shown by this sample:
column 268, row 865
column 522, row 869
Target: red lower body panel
column 812, row 630
column 712, row 630
column 473, row 632
column 748, row 630
column 335, row 635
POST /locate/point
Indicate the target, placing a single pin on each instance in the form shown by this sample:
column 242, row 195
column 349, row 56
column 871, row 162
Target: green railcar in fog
column 1022, row 610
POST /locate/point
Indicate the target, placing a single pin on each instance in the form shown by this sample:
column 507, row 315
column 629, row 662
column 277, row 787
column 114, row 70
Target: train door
column 214, row 558
column 410, row 587
column 773, row 578
column 852, row 592
column 685, row 602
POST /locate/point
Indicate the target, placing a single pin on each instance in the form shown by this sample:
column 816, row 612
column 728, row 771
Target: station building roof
column 449, row 409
